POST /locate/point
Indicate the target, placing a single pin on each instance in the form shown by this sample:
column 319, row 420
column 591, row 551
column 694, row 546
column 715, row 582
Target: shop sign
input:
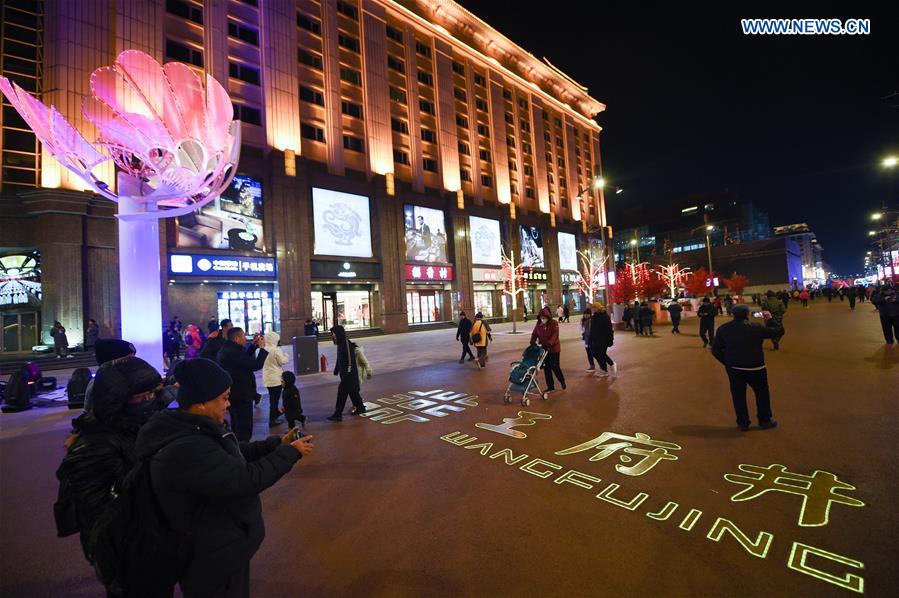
column 536, row 275
column 429, row 273
column 221, row 265
column 569, row 278
column 345, row 270
column 486, row 275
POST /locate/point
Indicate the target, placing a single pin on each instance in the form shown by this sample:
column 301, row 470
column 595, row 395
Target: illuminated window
column 425, row 78
column 348, row 9
column 186, row 10
column 426, row 106
column 243, row 33
column 243, row 72
column 422, row 48
column 309, row 59
column 247, row 114
column 312, row 96
column 399, row 126
column 314, row 133
column 182, row 53
column 353, row 143
column 429, row 164
column 309, row 23
column 349, row 42
column 396, row 64
column 397, row 95
column 394, row 34
column 350, row 75
column 351, row 109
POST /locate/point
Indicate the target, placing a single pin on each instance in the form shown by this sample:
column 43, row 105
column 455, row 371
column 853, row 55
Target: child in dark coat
column 293, row 407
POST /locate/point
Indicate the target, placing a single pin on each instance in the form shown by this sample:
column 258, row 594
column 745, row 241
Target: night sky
column 797, row 125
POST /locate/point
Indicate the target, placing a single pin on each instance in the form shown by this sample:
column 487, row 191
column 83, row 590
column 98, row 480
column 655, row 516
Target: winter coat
column 362, row 364
column 241, row 364
column 675, row 310
column 463, row 332
column 547, row 334
column 193, row 341
column 214, row 343
column 346, row 366
column 93, row 334
column 776, row 308
column 628, row 314
column 293, row 407
column 738, row 343
column 482, row 328
column 585, row 329
column 646, row 316
column 707, row 312
column 208, row 483
column 59, row 336
column 602, row 334
column 275, row 362
column 887, row 305
column 97, row 459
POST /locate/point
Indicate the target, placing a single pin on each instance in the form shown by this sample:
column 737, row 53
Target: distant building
column 680, row 226
column 813, row 270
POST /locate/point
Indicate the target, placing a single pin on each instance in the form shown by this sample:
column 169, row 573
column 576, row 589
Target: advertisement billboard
column 486, row 242
column 20, row 278
column 567, row 251
column 231, row 221
column 222, row 265
column 425, row 235
column 531, row 247
column 341, row 223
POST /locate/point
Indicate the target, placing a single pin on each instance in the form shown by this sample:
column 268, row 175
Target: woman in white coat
column 271, row 375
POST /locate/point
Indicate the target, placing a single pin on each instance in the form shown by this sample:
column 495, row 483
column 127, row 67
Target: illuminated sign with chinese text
column 222, row 265
column 429, row 273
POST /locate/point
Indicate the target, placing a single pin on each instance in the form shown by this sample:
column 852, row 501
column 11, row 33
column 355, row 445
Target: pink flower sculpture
column 176, row 138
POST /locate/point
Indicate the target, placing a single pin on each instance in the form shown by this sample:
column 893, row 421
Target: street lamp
column 599, row 183
column 876, row 216
column 890, row 162
column 636, row 244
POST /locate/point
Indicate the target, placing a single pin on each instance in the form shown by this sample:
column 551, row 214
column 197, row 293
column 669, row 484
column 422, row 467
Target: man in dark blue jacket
column 207, row 484
column 706, row 313
column 738, row 345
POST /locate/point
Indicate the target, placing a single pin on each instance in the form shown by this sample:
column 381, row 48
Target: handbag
column 476, row 337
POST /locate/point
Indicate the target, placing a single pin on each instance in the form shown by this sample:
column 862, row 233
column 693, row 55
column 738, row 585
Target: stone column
column 551, row 259
column 390, row 236
column 461, row 245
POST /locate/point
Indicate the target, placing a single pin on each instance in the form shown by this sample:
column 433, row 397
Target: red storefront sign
column 429, row 273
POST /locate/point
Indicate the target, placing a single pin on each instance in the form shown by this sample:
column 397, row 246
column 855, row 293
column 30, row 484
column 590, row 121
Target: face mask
column 141, row 412
column 543, row 320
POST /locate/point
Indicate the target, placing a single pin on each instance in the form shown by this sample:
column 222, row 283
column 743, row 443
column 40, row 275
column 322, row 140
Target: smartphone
column 756, row 314
column 298, row 435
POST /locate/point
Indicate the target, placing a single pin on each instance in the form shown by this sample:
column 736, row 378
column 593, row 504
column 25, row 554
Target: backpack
column 131, row 546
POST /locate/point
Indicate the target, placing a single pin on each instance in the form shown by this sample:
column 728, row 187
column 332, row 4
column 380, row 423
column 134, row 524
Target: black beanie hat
column 120, row 379
column 108, row 349
column 200, row 380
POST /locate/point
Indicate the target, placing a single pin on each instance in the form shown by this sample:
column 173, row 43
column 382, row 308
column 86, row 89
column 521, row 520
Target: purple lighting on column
column 175, row 148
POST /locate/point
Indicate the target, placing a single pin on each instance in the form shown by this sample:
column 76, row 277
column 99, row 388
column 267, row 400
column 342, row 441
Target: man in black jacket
column 738, row 345
column 348, row 371
column 241, row 364
column 207, row 484
column 706, row 313
column 216, row 340
column 463, row 333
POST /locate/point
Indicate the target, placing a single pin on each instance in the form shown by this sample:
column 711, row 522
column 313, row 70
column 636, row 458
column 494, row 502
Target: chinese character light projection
column 175, row 146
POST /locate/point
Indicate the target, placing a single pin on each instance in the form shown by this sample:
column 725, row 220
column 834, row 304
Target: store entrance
column 20, row 331
column 423, row 306
column 350, row 309
column 250, row 310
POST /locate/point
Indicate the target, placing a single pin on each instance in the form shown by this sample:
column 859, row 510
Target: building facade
column 392, row 152
column 810, row 251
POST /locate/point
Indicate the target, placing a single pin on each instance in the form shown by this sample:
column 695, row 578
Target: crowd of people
column 184, row 442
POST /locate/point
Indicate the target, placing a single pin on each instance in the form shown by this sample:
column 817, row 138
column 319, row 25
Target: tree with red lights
column 514, row 283
column 624, row 290
column 696, row 285
column 736, row 283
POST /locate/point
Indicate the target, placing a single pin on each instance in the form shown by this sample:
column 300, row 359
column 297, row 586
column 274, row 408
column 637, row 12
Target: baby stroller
column 523, row 377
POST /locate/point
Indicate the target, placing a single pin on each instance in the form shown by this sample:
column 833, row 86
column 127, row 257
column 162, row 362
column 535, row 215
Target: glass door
column 255, row 322
column 237, row 313
column 329, row 313
column 19, row 331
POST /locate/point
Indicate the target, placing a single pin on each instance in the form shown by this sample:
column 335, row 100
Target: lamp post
column 708, row 245
column 636, row 245
column 599, row 183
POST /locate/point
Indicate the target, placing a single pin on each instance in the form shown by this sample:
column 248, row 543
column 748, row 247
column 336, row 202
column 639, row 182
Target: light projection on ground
column 175, row 147
column 414, row 405
column 817, row 490
column 525, row 418
column 650, row 458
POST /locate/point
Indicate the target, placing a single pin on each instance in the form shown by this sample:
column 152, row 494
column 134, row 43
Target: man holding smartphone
column 738, row 345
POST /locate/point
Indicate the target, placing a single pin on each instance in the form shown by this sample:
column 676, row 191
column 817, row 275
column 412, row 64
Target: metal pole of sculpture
column 175, row 147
